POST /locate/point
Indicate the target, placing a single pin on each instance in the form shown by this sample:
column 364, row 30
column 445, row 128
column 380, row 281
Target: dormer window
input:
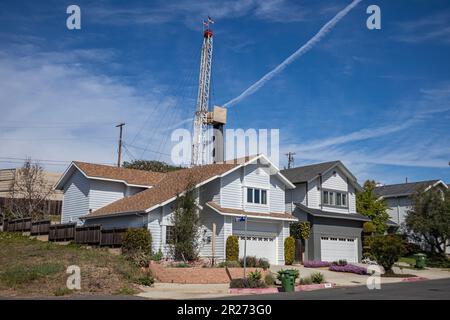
column 258, row 196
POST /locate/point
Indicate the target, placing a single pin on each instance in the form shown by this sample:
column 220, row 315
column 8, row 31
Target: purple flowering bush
column 316, row 264
column 349, row 268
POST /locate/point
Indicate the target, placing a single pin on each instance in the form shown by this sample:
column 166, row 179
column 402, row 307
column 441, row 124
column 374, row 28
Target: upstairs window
column 334, row 198
column 257, row 196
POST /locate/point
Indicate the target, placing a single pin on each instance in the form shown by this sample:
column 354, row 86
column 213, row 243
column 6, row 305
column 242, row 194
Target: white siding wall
column 314, row 194
column 227, row 231
column 256, row 177
column 351, row 199
column 295, row 195
column 154, row 227
column 276, row 195
column 75, row 200
column 231, row 192
column 282, row 235
column 105, row 192
column 336, row 181
column 208, row 218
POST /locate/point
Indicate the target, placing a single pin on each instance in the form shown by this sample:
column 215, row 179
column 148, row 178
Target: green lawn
column 408, row 260
column 30, row 267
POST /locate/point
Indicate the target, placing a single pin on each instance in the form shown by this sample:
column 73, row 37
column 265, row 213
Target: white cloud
column 53, row 106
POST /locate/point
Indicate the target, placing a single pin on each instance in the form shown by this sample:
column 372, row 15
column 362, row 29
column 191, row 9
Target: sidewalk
column 184, row 291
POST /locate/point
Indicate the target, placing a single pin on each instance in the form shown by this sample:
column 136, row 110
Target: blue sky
column 379, row 100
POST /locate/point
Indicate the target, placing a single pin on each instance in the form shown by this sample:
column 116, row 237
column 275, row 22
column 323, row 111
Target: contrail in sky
column 302, row 50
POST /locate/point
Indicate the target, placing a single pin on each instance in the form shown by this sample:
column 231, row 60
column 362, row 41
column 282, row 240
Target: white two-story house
column 325, row 195
column 253, row 188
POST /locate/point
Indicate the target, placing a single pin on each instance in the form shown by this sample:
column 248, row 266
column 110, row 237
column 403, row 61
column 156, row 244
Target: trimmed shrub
column 387, row 250
column 316, row 264
column 269, row 279
column 137, row 240
column 232, row 248
column 317, row 277
column 369, row 227
column 289, row 250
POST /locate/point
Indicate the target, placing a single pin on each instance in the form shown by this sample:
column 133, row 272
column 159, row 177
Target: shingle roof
column 326, row 214
column 306, row 173
column 402, row 189
column 173, row 183
column 278, row 215
column 130, row 176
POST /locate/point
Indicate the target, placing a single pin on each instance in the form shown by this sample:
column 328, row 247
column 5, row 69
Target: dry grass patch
column 29, row 267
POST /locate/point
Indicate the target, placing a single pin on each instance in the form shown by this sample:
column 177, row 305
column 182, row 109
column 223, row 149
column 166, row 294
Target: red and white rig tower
column 203, row 117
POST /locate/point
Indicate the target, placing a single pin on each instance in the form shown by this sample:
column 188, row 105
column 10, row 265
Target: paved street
column 420, row 290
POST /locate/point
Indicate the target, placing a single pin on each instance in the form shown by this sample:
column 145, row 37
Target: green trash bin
column 420, row 260
column 288, row 279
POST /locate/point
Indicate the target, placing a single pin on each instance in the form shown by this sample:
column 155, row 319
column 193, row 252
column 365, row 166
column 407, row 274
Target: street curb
column 414, row 279
column 311, row 287
column 304, row 287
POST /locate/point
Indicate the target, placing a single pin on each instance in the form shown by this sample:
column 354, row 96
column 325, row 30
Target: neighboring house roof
column 174, row 183
column 130, row 177
column 311, row 172
column 239, row 213
column 405, row 189
column 326, row 214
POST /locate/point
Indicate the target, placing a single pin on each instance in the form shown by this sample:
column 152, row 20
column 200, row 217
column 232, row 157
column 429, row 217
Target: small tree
column 186, row 225
column 289, row 250
column 368, row 205
column 387, row 250
column 232, row 249
column 368, row 231
column 29, row 191
column 429, row 219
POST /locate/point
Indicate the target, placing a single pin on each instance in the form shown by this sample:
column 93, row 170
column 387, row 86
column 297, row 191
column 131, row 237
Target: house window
column 169, row 234
column 258, row 196
column 333, row 198
column 250, row 195
column 264, row 196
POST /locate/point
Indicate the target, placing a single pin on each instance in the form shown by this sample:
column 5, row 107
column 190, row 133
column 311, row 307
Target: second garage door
column 259, row 246
column 334, row 248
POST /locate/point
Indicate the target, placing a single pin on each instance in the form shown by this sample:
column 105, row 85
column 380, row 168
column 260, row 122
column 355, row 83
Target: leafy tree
column 150, row 165
column 300, row 230
column 429, row 218
column 186, row 225
column 387, row 250
column 368, row 205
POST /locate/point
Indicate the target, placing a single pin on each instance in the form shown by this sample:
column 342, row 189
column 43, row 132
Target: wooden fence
column 41, row 227
column 62, row 232
column 88, row 234
column 112, row 237
column 91, row 234
column 17, row 225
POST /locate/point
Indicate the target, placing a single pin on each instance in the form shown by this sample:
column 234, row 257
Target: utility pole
column 119, row 155
column 290, row 156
